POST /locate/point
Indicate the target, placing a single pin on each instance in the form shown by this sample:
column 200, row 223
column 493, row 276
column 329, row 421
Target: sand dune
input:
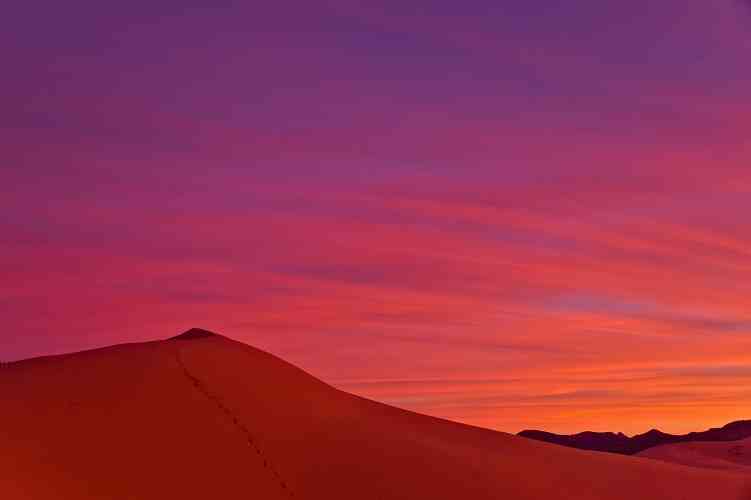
column 206, row 417
column 733, row 455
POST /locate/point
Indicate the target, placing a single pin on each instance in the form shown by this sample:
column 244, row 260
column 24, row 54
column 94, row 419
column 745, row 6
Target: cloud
column 744, row 5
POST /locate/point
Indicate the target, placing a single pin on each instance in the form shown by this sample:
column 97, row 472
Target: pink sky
column 524, row 219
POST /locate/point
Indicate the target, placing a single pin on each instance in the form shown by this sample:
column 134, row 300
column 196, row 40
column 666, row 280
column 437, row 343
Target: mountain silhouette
column 625, row 445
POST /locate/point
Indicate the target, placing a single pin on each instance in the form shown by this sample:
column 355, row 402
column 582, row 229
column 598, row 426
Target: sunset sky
column 511, row 213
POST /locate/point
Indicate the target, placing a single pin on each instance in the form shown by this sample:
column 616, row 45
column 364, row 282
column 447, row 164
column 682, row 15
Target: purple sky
column 510, row 213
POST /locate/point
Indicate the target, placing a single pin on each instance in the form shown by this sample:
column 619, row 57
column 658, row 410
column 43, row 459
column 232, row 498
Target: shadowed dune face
column 732, row 455
column 211, row 418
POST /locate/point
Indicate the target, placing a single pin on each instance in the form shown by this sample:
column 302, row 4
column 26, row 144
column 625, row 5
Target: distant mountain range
column 625, row 445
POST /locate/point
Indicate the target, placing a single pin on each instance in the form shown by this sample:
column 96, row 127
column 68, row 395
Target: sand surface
column 726, row 455
column 212, row 418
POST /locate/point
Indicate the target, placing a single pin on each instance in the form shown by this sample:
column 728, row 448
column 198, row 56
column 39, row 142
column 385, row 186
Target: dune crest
column 195, row 333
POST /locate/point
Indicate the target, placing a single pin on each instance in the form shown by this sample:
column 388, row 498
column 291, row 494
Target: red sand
column 726, row 455
column 212, row 418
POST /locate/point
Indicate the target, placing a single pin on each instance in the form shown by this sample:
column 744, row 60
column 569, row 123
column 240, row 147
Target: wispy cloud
column 510, row 196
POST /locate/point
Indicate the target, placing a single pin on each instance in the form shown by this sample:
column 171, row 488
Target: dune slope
column 732, row 455
column 201, row 416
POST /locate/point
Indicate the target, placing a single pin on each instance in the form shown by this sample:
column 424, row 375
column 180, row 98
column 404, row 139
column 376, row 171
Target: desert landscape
column 375, row 250
column 202, row 416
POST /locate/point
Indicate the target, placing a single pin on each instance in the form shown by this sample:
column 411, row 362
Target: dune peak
column 195, row 333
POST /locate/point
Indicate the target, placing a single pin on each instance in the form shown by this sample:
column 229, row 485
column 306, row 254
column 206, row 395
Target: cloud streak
column 524, row 232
